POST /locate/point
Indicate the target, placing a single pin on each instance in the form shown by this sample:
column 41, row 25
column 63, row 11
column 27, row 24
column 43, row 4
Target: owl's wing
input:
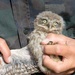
column 22, row 63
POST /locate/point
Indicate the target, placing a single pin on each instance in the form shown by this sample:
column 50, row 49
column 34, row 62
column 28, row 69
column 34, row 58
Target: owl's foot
column 54, row 57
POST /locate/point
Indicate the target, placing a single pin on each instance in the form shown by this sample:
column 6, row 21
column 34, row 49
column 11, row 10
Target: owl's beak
column 48, row 25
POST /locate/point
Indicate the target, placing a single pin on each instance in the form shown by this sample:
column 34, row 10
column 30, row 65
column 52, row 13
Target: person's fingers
column 4, row 49
column 58, row 67
column 54, row 38
column 70, row 72
column 58, row 41
column 62, row 50
column 45, row 41
column 50, row 64
column 63, row 73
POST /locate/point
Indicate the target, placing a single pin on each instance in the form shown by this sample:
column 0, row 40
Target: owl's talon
column 50, row 43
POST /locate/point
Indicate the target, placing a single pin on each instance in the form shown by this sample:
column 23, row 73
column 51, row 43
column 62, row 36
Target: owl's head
column 48, row 21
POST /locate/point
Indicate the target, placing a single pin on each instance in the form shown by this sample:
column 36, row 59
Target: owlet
column 45, row 23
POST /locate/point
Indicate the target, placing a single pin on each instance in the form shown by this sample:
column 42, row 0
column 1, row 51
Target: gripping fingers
column 5, row 51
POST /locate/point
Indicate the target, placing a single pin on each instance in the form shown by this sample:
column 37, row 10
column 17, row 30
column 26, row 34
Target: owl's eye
column 56, row 24
column 44, row 21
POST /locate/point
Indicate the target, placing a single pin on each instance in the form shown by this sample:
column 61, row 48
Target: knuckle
column 44, row 60
column 46, row 49
column 8, row 53
column 51, row 35
column 58, row 49
column 57, row 69
column 2, row 41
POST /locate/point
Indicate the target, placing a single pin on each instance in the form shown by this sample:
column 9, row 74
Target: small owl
column 45, row 22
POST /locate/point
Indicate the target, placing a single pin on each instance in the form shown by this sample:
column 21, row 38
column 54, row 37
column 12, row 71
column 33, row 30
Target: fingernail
column 9, row 59
column 44, row 56
column 45, row 41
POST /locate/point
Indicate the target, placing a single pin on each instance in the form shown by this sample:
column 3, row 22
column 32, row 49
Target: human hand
column 65, row 47
column 5, row 51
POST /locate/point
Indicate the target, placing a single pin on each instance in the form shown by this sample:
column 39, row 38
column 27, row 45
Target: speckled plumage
column 22, row 63
column 45, row 22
